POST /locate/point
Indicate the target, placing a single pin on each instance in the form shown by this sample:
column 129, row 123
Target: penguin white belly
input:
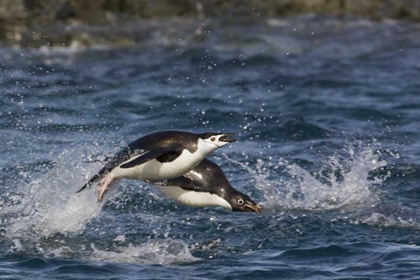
column 193, row 198
column 155, row 170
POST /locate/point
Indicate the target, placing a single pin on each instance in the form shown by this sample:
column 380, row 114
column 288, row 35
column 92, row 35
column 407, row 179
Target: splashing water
column 343, row 181
column 48, row 217
column 49, row 205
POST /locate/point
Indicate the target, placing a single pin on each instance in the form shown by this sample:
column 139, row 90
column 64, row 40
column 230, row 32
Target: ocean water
column 327, row 112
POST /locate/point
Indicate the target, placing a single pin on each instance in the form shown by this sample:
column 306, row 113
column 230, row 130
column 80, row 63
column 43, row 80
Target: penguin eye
column 213, row 139
column 240, row 201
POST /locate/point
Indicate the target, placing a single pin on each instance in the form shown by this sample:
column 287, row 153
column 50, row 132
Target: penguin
column 206, row 185
column 158, row 156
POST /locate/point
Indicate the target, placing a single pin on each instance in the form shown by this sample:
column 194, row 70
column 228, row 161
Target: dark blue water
column 327, row 113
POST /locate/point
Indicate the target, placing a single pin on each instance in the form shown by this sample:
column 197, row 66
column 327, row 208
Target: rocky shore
column 34, row 23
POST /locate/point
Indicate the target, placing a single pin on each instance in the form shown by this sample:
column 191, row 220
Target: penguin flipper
column 147, row 156
column 185, row 183
column 112, row 162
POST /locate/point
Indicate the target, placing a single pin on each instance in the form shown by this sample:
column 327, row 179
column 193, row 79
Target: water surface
column 327, row 113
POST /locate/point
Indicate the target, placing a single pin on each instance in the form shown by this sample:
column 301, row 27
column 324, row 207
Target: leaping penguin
column 206, row 185
column 158, row 156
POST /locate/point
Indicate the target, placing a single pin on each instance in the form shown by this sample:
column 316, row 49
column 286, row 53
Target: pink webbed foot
column 105, row 184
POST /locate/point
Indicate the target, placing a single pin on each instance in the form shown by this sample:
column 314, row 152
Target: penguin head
column 218, row 139
column 242, row 203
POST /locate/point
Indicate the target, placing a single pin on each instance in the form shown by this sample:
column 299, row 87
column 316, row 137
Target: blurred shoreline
column 63, row 23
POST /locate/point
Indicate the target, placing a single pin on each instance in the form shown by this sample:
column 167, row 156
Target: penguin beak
column 228, row 137
column 256, row 208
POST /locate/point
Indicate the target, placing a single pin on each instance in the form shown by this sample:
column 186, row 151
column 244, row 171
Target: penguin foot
column 106, row 183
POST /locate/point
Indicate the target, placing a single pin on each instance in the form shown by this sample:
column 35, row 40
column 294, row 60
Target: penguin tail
column 82, row 188
column 90, row 182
